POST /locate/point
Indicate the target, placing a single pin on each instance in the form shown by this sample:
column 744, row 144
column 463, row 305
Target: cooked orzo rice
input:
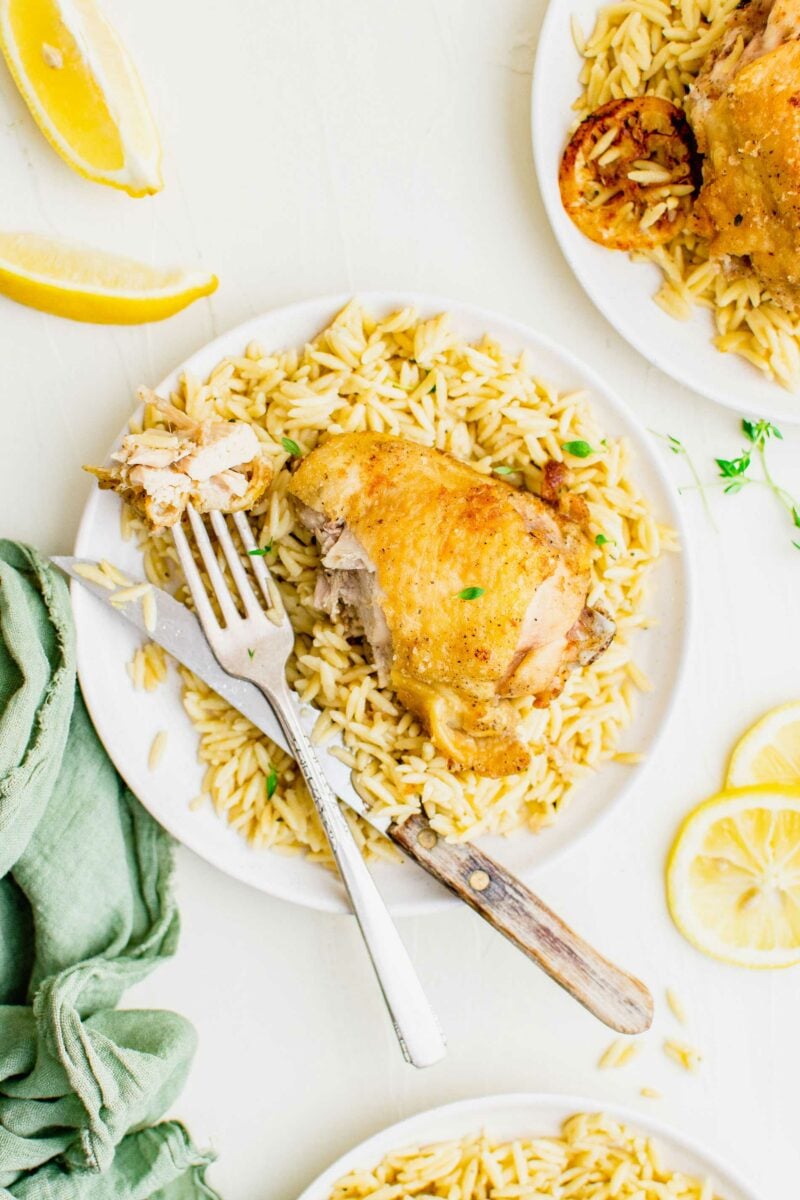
column 595, row 1158
column 657, row 47
column 415, row 378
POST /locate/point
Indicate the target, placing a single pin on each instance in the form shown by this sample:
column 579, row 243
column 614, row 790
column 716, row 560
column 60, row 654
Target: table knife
column 615, row 997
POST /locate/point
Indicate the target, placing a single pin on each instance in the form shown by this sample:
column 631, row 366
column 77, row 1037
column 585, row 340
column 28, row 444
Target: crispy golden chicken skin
column 470, row 591
column 745, row 111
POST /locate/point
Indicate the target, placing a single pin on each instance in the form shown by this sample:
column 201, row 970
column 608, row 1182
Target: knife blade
column 615, row 997
column 179, row 632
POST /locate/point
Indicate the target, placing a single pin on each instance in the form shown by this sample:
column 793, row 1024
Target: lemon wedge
column 733, row 877
column 83, row 91
column 71, row 280
column 770, row 751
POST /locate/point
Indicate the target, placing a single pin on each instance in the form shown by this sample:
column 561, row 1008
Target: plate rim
column 650, row 351
column 220, row 346
column 391, row 1136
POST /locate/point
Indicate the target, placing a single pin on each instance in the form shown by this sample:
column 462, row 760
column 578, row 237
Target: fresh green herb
column 735, row 474
column 272, row 783
column 470, row 593
column 579, row 449
column 503, row 470
column 250, row 653
column 602, row 540
column 261, row 551
column 758, row 431
column 675, row 446
column 291, row 447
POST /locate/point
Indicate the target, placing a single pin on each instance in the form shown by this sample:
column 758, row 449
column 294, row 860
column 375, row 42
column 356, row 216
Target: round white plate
column 127, row 720
column 621, row 289
column 524, row 1115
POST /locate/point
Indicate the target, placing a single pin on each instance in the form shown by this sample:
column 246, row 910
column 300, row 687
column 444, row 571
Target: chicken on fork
column 470, row 592
column 744, row 109
column 209, row 464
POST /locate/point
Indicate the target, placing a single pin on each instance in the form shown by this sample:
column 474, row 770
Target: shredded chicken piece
column 408, row 535
column 212, row 465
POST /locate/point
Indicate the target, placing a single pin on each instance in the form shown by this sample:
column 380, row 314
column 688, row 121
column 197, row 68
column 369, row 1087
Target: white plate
column 621, row 289
column 127, row 720
column 523, row 1115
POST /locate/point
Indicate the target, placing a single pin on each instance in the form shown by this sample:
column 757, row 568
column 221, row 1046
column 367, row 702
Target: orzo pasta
column 594, row 1158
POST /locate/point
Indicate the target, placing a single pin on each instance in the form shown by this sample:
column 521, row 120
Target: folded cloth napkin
column 86, row 909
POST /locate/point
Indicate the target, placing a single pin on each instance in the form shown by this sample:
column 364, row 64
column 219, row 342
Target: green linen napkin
column 86, row 909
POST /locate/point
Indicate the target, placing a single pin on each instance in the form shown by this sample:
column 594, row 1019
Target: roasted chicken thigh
column 744, row 109
column 470, row 591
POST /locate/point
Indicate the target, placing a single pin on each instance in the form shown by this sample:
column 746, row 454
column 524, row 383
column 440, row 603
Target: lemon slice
column 770, row 751
column 83, row 90
column 75, row 281
column 733, row 877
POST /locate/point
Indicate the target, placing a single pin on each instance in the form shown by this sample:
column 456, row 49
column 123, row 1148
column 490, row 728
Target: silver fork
column 255, row 647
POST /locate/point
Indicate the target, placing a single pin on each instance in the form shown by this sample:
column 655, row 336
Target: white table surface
column 312, row 147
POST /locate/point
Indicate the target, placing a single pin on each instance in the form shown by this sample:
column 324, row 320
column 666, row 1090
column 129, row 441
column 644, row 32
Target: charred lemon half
column 630, row 172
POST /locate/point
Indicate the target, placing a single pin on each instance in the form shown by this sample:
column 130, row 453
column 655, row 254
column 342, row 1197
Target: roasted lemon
column 733, row 877
column 75, row 281
column 629, row 173
column 83, row 91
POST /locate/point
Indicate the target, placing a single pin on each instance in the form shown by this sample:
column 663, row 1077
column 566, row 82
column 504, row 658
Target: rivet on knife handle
column 615, row 997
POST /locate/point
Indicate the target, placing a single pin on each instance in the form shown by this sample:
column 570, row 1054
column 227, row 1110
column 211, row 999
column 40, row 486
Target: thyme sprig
column 676, row 446
column 734, row 472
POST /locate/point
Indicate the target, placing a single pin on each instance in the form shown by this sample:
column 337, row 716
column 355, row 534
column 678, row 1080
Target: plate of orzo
column 530, row 1147
column 507, row 402
column 649, row 206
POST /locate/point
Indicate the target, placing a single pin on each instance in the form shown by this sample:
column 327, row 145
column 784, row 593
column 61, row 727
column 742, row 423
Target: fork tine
column 218, row 583
column 249, row 598
column 267, row 584
column 196, row 586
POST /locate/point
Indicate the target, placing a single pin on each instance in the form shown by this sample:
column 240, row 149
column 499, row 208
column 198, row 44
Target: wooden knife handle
column 616, row 998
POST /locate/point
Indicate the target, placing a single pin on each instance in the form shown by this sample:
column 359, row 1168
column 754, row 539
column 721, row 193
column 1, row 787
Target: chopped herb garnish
column 291, row 447
column 503, row 470
column 470, row 593
column 601, row 540
column 250, row 653
column 579, row 449
column 272, row 783
column 262, row 550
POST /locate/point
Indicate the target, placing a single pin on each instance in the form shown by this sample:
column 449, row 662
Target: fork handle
column 414, row 1022
column 615, row 997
